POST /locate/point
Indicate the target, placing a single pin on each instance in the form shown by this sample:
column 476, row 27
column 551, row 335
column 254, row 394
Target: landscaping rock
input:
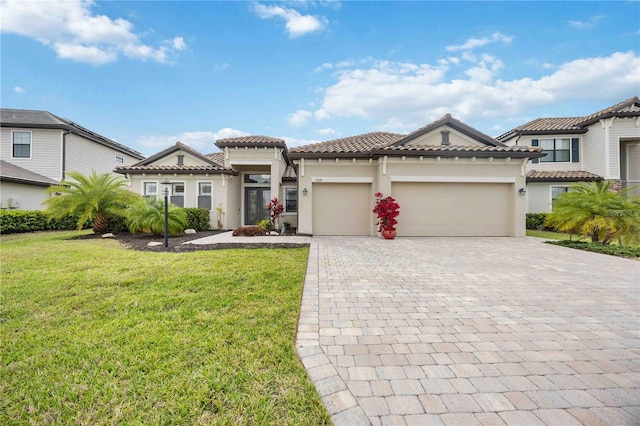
column 189, row 231
column 108, row 235
column 273, row 233
column 154, row 244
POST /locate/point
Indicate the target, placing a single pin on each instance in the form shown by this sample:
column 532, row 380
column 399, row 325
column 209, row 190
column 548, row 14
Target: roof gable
column 467, row 134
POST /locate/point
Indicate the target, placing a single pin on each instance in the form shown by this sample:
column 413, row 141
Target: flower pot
column 389, row 234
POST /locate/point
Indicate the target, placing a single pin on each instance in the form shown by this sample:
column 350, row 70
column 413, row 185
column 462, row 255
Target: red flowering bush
column 275, row 210
column 387, row 211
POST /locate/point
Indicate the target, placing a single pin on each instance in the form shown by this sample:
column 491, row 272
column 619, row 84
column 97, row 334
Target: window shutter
column 575, row 150
column 534, row 142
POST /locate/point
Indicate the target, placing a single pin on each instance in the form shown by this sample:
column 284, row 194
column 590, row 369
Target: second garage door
column 454, row 209
column 342, row 209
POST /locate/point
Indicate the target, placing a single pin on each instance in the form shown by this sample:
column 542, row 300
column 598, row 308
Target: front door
column 255, row 205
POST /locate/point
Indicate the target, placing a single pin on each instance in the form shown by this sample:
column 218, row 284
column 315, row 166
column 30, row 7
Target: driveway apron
column 466, row 331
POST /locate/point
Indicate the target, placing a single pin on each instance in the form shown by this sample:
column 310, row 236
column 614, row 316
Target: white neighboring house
column 602, row 146
column 38, row 148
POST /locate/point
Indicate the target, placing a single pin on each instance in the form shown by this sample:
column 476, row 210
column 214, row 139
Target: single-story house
column 449, row 179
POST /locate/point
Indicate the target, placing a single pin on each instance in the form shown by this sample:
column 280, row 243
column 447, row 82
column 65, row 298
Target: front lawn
column 96, row 334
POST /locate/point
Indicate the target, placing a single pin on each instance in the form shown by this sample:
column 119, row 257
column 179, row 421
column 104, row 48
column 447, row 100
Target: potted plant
column 387, row 210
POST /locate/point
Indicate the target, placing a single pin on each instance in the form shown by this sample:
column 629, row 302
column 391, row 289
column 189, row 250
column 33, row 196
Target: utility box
column 14, row 203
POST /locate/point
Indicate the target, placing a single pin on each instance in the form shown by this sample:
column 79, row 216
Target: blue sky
column 150, row 73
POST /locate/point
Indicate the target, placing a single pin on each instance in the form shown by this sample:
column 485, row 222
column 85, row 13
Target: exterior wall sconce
column 305, row 192
column 522, row 191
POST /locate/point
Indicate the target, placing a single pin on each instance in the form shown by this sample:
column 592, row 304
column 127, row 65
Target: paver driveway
column 471, row 331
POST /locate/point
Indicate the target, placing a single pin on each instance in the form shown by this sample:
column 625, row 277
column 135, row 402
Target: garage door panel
column 453, row 209
column 342, row 208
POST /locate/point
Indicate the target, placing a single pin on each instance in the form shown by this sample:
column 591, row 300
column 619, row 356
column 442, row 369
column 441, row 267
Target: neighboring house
column 235, row 185
column 448, row 178
column 38, row 148
column 602, row 146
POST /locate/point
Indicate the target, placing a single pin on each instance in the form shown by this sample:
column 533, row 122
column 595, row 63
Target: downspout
column 64, row 153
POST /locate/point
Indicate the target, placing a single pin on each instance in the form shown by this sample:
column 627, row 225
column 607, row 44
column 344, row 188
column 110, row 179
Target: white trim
column 333, row 179
column 149, row 181
column 551, row 193
column 118, row 154
column 454, row 179
column 198, row 182
column 285, row 188
column 30, row 144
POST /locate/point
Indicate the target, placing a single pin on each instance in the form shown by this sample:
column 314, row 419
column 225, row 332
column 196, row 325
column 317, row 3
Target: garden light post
column 166, row 184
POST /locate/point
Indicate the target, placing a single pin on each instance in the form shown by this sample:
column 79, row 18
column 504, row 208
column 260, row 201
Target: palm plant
column 147, row 215
column 95, row 198
column 595, row 211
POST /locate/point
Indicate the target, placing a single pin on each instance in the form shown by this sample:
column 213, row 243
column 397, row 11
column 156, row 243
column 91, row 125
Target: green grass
column 95, row 334
column 549, row 235
column 613, row 250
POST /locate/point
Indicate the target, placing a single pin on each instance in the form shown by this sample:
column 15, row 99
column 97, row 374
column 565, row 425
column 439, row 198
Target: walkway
column 466, row 331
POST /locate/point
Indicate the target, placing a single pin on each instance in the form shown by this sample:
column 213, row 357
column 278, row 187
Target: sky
column 150, row 73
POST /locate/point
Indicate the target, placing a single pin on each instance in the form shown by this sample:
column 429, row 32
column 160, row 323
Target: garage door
column 453, row 209
column 342, row 209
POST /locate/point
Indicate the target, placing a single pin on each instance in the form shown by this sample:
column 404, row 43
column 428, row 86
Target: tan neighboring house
column 234, row 185
column 602, row 146
column 38, row 148
column 448, row 178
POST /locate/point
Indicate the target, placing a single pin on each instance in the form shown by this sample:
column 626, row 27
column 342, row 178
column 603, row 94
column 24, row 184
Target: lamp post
column 166, row 184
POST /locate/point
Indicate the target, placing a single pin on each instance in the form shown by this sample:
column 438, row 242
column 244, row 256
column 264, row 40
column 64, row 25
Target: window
column 180, row 160
column 119, row 159
column 266, row 179
column 177, row 188
column 21, row 144
column 204, row 195
column 557, row 191
column 557, row 150
column 150, row 189
column 291, row 199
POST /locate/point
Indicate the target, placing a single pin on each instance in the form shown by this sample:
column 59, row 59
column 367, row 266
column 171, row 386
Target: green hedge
column 13, row 221
column 197, row 219
column 536, row 221
column 620, row 251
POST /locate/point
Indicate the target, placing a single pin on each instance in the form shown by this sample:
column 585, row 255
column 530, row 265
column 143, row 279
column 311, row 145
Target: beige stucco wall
column 29, row 196
column 435, row 138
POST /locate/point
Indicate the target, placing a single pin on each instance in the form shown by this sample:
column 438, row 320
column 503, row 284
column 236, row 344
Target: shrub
column 386, row 210
column 197, row 219
column 265, row 225
column 620, row 251
column 275, row 210
column 536, row 221
column 14, row 221
column 147, row 215
column 248, row 231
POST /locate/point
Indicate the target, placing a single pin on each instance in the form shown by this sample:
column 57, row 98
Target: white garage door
column 342, row 209
column 453, row 209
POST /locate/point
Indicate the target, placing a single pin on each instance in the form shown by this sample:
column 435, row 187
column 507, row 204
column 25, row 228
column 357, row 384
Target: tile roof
column 290, row 173
column 561, row 175
column 458, row 148
column 448, row 120
column 255, row 140
column 45, row 120
column 352, row 144
column 147, row 165
column 573, row 125
column 11, row 173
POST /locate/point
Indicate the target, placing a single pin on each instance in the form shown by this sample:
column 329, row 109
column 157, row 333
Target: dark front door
column 255, row 205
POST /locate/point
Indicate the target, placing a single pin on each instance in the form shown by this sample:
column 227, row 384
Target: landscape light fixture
column 166, row 183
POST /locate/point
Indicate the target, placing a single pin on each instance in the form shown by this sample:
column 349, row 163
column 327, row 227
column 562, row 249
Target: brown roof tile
column 216, row 157
column 352, row 144
column 460, row 148
column 174, row 169
column 448, row 120
column 290, row 173
column 255, row 140
column 630, row 106
column 561, row 175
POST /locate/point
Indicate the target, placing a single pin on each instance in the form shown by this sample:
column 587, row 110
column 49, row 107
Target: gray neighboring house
column 38, row 148
column 602, row 146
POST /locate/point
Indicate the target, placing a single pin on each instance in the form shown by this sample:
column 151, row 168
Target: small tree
column 147, row 215
column 387, row 210
column 275, row 210
column 96, row 198
column 593, row 210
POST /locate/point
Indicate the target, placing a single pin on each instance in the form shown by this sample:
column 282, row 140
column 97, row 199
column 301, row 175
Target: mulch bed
column 141, row 242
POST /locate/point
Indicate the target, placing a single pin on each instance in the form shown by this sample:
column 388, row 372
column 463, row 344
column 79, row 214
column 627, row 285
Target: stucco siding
column 435, row 138
column 84, row 156
column 172, row 159
column 46, row 146
column 30, row 197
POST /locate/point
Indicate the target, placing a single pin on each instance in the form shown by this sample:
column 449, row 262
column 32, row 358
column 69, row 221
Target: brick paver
column 470, row 331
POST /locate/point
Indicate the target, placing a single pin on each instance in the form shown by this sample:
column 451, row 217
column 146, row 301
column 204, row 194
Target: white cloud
column 297, row 25
column 405, row 96
column 326, row 131
column 203, row 142
column 19, row 89
column 74, row 32
column 299, row 118
column 589, row 23
column 291, row 142
column 472, row 43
